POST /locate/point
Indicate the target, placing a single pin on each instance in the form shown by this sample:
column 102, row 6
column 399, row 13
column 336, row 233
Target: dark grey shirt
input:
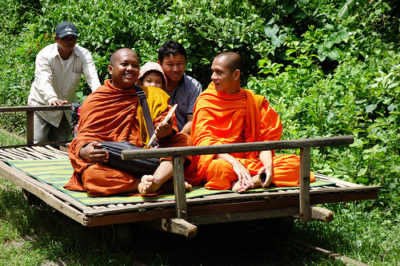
column 185, row 95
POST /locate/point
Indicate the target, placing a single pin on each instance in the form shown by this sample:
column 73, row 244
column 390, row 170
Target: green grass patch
column 7, row 139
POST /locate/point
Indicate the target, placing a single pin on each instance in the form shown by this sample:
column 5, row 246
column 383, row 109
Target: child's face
column 153, row 79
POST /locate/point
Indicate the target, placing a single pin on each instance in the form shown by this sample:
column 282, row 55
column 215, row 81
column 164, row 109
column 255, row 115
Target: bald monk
column 225, row 113
column 113, row 114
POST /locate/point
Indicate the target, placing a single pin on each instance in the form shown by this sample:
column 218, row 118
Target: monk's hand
column 268, row 175
column 59, row 102
column 244, row 177
column 163, row 130
column 90, row 154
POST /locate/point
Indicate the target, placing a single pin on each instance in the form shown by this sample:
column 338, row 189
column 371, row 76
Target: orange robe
column 222, row 118
column 113, row 114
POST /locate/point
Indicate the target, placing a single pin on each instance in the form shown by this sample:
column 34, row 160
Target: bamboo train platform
column 184, row 213
column 180, row 212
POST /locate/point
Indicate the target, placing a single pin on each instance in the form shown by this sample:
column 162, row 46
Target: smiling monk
column 225, row 113
column 113, row 114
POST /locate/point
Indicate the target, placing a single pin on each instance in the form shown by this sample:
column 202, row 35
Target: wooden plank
column 9, row 155
column 344, row 196
column 174, row 225
column 239, row 216
column 337, row 181
column 53, row 153
column 305, row 207
column 35, row 186
column 179, row 188
column 29, row 127
column 130, row 217
column 38, row 156
column 27, row 154
column 321, row 214
column 16, row 155
column 34, row 108
column 236, row 147
column 233, row 197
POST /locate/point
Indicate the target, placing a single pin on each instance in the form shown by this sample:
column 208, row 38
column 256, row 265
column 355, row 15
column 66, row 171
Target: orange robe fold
column 222, row 118
column 113, row 114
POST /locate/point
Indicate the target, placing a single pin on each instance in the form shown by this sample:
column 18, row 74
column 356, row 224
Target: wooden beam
column 29, row 127
column 179, row 226
column 11, row 109
column 304, row 197
column 236, row 147
column 179, row 188
column 321, row 214
column 243, row 216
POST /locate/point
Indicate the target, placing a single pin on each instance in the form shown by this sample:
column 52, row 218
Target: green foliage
column 328, row 67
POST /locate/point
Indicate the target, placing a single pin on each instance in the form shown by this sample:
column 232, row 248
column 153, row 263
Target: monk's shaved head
column 232, row 60
column 117, row 53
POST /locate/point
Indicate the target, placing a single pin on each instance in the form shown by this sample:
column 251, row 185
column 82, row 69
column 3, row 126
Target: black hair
column 170, row 47
column 234, row 60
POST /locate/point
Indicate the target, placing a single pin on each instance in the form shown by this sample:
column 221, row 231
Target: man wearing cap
column 182, row 89
column 58, row 69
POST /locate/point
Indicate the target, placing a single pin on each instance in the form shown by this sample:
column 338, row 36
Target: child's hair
column 151, row 67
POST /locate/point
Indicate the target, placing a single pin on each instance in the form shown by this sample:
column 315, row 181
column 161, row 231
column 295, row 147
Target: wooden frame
column 29, row 118
column 179, row 216
column 180, row 152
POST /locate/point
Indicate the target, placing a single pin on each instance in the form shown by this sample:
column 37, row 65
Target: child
column 152, row 74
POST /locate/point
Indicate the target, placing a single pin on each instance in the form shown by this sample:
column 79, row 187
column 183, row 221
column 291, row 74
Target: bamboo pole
column 237, row 147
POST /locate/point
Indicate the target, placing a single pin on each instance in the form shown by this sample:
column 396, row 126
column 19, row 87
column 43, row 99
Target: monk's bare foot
column 147, row 185
column 256, row 181
column 237, row 187
column 188, row 186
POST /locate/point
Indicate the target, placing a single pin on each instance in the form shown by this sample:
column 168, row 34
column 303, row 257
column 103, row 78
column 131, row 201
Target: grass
column 32, row 235
column 8, row 139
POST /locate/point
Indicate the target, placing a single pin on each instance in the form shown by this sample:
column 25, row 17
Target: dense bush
column 328, row 67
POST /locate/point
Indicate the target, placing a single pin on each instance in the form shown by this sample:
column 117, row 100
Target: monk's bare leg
column 150, row 184
column 237, row 187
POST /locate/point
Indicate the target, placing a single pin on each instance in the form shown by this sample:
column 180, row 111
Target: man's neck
column 172, row 85
column 64, row 54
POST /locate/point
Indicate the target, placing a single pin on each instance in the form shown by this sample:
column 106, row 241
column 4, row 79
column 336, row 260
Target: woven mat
column 57, row 173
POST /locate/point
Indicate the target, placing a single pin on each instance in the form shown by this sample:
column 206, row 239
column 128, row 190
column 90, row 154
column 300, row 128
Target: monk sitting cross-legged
column 113, row 116
column 225, row 113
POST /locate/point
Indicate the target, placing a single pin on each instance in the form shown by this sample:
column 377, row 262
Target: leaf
column 370, row 108
column 271, row 31
column 289, row 6
column 345, row 10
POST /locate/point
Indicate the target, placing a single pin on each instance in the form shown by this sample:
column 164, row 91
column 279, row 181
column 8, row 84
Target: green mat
column 57, row 173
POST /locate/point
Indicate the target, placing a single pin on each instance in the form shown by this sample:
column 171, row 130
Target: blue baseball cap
column 66, row 28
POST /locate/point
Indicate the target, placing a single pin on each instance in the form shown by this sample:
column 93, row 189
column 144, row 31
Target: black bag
column 135, row 166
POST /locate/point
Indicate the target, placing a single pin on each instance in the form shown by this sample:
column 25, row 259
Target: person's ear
column 110, row 68
column 236, row 74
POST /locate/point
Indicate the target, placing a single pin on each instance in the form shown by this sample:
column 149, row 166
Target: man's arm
column 90, row 154
column 266, row 159
column 188, row 126
column 44, row 78
column 197, row 89
column 89, row 70
column 243, row 174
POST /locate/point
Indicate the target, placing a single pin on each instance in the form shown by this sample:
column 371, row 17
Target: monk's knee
column 220, row 175
column 103, row 180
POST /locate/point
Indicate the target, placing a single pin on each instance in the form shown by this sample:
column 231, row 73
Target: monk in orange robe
column 113, row 113
column 225, row 113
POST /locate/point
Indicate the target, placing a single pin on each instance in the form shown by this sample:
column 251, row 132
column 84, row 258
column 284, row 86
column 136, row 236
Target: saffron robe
column 114, row 114
column 222, row 118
